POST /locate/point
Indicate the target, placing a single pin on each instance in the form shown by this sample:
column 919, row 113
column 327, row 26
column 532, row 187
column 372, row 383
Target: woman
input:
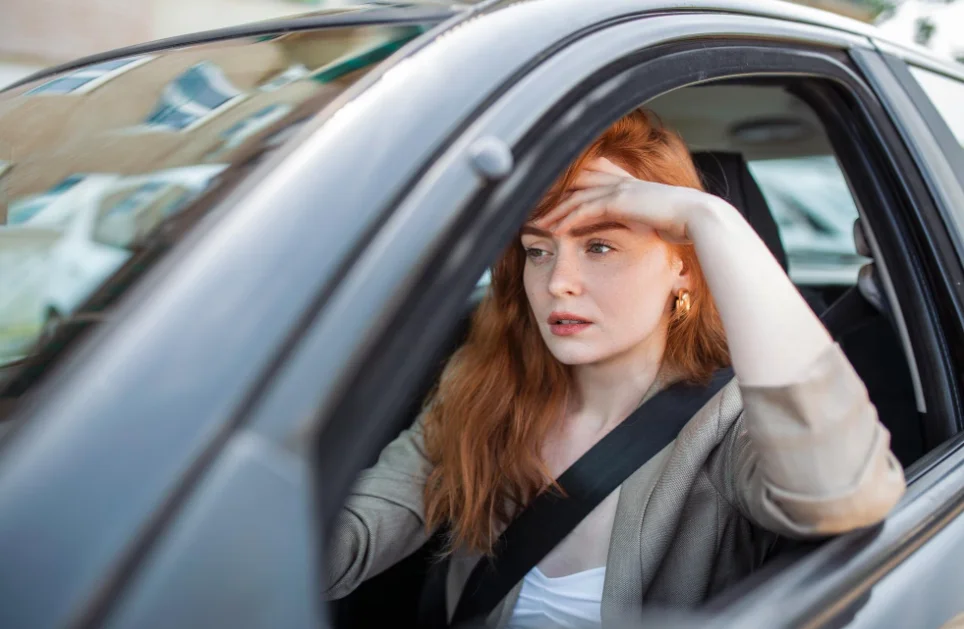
column 627, row 278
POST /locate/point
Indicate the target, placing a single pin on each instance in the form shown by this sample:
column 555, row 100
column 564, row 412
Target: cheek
column 534, row 282
column 528, row 282
column 634, row 294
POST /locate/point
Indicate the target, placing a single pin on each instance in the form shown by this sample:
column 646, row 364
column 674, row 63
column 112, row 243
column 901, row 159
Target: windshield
column 94, row 161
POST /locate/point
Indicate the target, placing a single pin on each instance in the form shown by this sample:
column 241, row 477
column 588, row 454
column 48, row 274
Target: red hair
column 503, row 391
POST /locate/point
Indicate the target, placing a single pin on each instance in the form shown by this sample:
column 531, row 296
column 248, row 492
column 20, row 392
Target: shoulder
column 715, row 419
column 711, row 427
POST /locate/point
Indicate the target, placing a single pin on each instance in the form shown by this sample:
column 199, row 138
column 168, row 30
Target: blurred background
column 36, row 33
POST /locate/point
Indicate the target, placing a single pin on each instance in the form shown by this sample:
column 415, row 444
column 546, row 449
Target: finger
column 570, row 202
column 605, row 165
column 594, row 210
column 594, row 178
column 573, row 201
column 678, row 237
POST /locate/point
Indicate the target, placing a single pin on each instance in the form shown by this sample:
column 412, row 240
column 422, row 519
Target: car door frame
column 471, row 197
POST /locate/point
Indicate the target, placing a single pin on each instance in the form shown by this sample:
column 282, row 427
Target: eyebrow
column 576, row 231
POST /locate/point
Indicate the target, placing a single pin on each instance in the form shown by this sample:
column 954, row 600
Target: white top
column 570, row 602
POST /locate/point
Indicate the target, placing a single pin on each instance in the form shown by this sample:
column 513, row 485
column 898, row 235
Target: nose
column 565, row 279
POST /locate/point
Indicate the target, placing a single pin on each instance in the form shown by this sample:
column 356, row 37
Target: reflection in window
column 292, row 74
column 947, row 94
column 134, row 206
column 133, row 213
column 193, row 97
column 812, row 205
column 236, row 134
column 23, row 261
column 357, row 59
column 30, row 209
column 62, row 254
column 86, row 79
column 68, row 240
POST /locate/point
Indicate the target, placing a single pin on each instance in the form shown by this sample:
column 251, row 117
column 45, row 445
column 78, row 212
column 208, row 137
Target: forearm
column 773, row 335
column 382, row 521
column 368, row 538
column 813, row 459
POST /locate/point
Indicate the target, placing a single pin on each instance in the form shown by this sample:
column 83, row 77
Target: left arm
column 809, row 456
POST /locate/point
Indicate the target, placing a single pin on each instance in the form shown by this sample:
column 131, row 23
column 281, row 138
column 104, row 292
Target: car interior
column 756, row 147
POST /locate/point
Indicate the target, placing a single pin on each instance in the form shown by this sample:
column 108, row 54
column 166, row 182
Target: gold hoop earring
column 683, row 303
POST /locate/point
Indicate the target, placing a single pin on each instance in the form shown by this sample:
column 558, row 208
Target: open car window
column 815, row 212
column 105, row 167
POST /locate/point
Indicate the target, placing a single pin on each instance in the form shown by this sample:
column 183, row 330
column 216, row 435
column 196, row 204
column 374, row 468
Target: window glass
column 815, row 212
column 193, row 96
column 88, row 176
column 947, row 95
column 89, row 77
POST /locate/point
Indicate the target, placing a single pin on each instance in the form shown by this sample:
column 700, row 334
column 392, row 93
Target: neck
column 605, row 393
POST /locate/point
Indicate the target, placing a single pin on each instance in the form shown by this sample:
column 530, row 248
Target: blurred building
column 200, row 105
column 93, row 160
column 59, row 30
column 856, row 9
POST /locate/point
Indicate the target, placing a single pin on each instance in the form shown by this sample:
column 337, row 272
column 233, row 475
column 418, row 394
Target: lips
column 567, row 323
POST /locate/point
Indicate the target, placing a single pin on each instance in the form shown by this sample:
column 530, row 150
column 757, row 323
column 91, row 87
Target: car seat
column 859, row 319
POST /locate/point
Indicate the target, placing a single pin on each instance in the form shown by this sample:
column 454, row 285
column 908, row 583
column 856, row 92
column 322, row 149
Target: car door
column 481, row 189
column 205, row 200
column 925, row 98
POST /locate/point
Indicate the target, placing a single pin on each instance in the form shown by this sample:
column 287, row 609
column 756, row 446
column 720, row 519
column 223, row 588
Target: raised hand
column 603, row 191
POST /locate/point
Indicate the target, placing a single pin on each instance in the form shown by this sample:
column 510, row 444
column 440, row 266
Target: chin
column 574, row 354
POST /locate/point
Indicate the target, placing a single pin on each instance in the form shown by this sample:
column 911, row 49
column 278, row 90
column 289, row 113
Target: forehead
column 578, row 230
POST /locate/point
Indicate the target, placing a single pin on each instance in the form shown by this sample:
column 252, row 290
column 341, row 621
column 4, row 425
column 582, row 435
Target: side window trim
column 922, row 129
column 940, row 130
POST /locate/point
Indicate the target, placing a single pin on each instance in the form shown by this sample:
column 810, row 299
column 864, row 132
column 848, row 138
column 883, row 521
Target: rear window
column 103, row 168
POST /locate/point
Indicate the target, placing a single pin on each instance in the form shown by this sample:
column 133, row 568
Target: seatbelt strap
column 550, row 517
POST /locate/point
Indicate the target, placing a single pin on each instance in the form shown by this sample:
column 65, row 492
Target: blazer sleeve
column 811, row 459
column 382, row 522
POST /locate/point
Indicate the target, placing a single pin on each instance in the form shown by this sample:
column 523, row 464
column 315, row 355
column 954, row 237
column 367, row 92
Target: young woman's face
column 600, row 290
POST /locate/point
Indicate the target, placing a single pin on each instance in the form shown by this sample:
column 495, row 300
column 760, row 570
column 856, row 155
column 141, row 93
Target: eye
column 599, row 248
column 535, row 254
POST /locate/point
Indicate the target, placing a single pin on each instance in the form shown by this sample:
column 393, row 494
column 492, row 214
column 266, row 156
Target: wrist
column 711, row 216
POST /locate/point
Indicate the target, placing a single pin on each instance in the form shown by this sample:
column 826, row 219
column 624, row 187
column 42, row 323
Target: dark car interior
column 852, row 311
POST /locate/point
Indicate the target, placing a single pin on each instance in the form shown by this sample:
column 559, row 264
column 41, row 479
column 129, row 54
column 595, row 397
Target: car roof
column 377, row 14
column 387, row 12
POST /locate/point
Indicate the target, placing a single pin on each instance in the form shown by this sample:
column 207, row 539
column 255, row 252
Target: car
column 176, row 445
column 65, row 241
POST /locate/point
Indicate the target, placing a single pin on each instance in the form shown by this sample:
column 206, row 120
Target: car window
column 947, row 95
column 815, row 213
column 94, row 161
column 792, row 161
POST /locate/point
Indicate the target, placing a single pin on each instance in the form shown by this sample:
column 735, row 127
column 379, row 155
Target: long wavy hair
column 502, row 391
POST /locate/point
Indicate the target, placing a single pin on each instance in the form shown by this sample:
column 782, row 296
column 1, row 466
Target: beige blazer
column 804, row 460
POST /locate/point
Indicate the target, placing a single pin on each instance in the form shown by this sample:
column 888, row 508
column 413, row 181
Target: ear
column 682, row 278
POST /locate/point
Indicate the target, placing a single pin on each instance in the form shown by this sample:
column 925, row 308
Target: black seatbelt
column 549, row 518
column 849, row 312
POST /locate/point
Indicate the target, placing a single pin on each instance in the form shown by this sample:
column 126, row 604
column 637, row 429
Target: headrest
column 726, row 175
